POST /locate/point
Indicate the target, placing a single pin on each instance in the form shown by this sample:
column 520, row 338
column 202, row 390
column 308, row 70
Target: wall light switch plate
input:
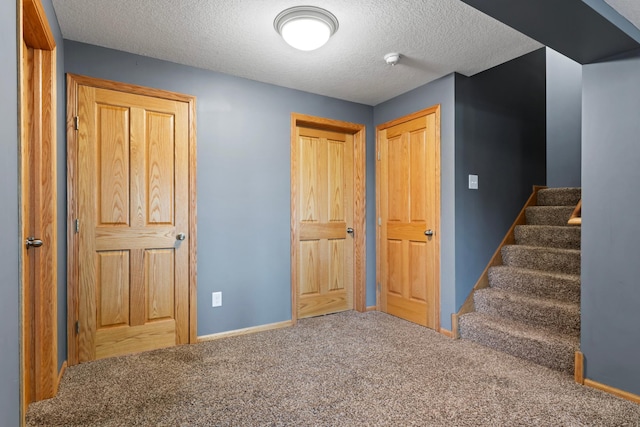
column 216, row 299
column 473, row 182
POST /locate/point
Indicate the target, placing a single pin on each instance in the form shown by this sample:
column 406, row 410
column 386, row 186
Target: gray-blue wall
column 610, row 227
column 564, row 118
column 500, row 136
column 441, row 91
column 9, row 244
column 243, row 180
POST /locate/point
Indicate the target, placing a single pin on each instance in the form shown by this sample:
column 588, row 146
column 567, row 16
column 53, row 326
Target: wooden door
column 133, row 213
column 39, row 310
column 409, row 217
column 326, row 224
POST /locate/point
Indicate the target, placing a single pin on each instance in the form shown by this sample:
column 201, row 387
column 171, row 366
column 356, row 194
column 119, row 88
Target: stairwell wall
column 500, row 136
column 610, row 338
column 564, row 118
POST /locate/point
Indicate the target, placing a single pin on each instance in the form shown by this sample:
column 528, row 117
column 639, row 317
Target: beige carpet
column 348, row 369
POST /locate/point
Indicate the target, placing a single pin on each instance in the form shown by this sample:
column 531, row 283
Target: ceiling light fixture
column 306, row 27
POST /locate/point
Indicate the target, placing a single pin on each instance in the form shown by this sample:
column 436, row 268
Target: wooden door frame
column 359, row 204
column 431, row 110
column 73, row 83
column 38, row 307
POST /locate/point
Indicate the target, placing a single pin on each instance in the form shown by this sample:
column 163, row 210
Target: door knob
column 181, row 236
column 32, row 242
column 428, row 233
column 350, row 230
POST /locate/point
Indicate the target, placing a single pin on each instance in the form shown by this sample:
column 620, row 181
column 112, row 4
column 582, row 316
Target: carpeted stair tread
column 556, row 316
column 548, row 215
column 563, row 196
column 543, row 284
column 553, row 236
column 555, row 351
column 566, row 261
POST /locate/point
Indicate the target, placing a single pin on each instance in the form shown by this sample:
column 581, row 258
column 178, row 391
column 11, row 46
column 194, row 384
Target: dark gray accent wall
column 564, row 119
column 610, row 228
column 62, row 182
column 441, row 91
column 243, row 180
column 572, row 27
column 10, row 242
column 500, row 136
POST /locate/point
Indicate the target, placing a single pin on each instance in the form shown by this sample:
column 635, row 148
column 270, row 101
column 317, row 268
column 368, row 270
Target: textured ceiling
column 630, row 9
column 434, row 37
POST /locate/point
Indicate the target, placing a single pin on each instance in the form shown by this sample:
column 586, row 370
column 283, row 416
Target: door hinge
column 77, row 327
column 378, row 154
column 379, row 222
column 76, row 121
column 77, row 225
column 378, row 285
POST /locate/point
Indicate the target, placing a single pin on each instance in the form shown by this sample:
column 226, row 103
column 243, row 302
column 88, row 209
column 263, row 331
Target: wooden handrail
column 576, row 216
column 483, row 281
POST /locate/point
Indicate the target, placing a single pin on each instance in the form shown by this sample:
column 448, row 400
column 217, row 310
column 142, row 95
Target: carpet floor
column 346, row 369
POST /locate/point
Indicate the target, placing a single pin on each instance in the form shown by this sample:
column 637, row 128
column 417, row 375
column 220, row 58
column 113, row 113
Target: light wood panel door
column 133, row 212
column 409, row 217
column 325, row 242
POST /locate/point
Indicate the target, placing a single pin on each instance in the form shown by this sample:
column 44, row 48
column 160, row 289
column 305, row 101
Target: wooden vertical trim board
column 496, row 259
column 193, row 222
column 72, row 214
column 63, row 368
column 437, row 214
column 359, row 220
column 612, row 390
column 294, row 218
column 579, row 368
column 38, row 196
column 455, row 332
column 73, row 83
column 447, row 333
column 359, row 203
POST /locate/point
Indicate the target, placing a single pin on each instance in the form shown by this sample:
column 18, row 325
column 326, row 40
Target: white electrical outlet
column 216, row 299
column 473, row 182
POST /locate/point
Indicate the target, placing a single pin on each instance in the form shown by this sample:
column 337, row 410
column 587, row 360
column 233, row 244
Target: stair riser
column 552, row 237
column 559, row 357
column 559, row 197
column 545, row 260
column 548, row 215
column 566, row 290
column 554, row 318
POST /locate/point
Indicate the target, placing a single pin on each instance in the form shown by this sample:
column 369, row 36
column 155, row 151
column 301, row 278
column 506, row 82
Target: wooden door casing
column 327, row 197
column 38, row 200
column 132, row 175
column 408, row 183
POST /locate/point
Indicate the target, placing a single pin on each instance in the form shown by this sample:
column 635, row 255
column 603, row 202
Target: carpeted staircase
column 532, row 307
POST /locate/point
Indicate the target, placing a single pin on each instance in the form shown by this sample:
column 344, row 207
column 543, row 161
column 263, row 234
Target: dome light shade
column 306, row 27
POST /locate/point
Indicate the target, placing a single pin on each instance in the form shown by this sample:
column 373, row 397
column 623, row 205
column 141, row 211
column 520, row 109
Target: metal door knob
column 32, row 242
column 350, row 230
column 428, row 233
column 181, row 236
